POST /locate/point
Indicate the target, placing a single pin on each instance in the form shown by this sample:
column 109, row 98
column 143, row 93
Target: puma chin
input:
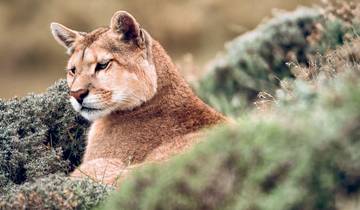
column 90, row 111
column 110, row 68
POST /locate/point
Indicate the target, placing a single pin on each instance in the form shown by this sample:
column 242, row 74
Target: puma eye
column 102, row 66
column 72, row 70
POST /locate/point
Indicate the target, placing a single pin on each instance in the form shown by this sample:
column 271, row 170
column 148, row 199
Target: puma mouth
column 92, row 114
column 89, row 109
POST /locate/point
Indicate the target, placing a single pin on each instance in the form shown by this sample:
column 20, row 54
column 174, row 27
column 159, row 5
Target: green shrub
column 55, row 192
column 259, row 60
column 40, row 135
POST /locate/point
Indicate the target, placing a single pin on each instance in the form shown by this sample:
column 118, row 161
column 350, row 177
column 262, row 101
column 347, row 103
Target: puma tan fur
column 142, row 109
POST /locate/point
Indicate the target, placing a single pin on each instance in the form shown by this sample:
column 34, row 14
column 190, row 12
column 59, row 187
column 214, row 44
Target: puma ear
column 63, row 35
column 125, row 24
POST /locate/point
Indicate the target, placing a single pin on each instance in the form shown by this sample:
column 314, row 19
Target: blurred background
column 191, row 31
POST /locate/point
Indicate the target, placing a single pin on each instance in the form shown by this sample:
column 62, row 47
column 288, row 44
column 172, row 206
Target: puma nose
column 79, row 95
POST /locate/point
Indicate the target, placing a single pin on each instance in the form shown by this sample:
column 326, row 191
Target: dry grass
column 348, row 11
column 321, row 68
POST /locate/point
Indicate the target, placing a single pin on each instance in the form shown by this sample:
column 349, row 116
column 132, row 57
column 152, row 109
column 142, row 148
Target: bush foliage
column 55, row 192
column 259, row 60
column 41, row 135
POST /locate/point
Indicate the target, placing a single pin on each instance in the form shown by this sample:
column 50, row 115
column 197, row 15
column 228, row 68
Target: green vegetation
column 259, row 60
column 297, row 150
column 55, row 192
column 40, row 135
